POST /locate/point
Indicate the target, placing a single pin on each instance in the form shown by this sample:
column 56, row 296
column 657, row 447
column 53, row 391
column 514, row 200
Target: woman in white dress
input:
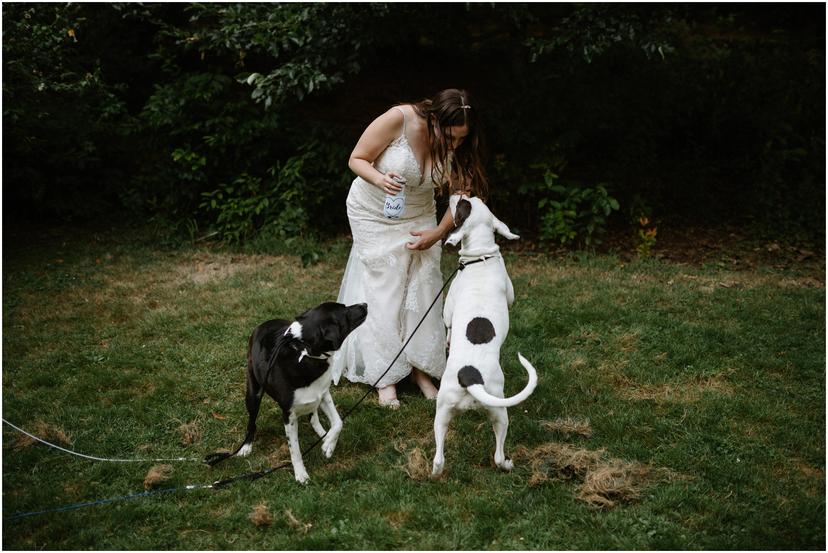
column 394, row 264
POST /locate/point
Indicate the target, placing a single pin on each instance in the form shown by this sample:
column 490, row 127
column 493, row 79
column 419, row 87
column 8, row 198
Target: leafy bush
column 281, row 203
column 574, row 214
column 64, row 125
column 707, row 112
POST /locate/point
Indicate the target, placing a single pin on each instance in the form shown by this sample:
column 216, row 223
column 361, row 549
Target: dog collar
column 324, row 357
column 465, row 264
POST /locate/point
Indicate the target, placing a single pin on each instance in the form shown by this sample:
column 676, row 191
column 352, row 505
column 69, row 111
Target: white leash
column 93, row 458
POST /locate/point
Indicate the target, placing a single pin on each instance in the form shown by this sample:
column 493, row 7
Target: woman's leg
column 424, row 382
column 388, row 396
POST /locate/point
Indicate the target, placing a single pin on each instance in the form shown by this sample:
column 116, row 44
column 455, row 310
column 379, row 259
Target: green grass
column 717, row 376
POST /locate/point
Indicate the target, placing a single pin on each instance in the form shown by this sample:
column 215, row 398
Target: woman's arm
column 379, row 134
column 429, row 237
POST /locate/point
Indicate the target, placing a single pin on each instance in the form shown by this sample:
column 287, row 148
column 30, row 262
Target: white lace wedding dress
column 397, row 283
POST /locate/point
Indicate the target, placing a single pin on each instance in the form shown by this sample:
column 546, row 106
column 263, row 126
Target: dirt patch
column 397, row 519
column 578, row 363
column 628, row 342
column 680, row 392
column 204, row 268
column 569, row 425
column 744, row 280
column 44, row 431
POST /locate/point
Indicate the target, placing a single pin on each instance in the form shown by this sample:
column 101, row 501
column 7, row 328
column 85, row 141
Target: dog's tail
column 471, row 379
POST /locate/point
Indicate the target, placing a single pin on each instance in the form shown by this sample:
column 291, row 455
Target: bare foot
column 424, row 382
column 388, row 397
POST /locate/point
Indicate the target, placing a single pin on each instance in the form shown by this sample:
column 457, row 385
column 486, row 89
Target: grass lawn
column 704, row 384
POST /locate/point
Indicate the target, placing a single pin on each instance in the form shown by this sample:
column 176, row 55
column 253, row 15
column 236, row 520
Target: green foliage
column 63, row 123
column 707, row 112
column 573, row 214
column 592, row 29
column 237, row 206
column 308, row 47
column 281, row 203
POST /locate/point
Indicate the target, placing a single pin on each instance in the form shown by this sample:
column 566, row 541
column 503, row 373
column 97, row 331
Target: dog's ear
column 462, row 212
column 503, row 230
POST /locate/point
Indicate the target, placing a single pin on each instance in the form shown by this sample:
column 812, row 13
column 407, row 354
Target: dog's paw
column 245, row 450
column 301, row 476
column 328, row 447
column 507, row 464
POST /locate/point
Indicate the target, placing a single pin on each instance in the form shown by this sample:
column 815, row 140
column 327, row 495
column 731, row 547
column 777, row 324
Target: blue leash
column 246, row 476
column 19, row 516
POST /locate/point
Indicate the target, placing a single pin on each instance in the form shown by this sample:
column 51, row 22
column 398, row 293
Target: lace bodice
column 400, row 158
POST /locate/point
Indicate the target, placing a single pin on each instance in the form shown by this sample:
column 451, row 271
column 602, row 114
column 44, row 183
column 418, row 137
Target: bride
column 394, row 264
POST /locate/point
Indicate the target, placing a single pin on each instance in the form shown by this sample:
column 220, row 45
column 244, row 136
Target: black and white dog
column 289, row 361
column 477, row 312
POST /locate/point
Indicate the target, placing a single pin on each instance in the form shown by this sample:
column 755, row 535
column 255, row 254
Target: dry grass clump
column 157, row 475
column 260, row 516
column 297, row 524
column 417, row 465
column 562, row 461
column 44, row 431
column 569, row 425
column 605, row 482
column 615, row 481
column 190, row 433
column 280, row 456
column 680, row 392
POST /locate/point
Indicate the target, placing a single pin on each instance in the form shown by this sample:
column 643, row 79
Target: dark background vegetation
column 236, row 121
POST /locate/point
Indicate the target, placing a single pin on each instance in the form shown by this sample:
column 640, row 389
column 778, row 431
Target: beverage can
column 395, row 205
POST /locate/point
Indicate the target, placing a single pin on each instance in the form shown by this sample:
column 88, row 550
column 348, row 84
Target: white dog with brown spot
column 476, row 313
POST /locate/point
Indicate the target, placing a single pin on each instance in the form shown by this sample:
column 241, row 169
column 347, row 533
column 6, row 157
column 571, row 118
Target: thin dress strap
column 403, row 112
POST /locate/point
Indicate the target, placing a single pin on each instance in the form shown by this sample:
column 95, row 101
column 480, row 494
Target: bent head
column 472, row 217
column 324, row 328
column 454, row 129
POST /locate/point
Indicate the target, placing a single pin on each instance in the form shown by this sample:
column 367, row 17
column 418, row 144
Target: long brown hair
column 450, row 108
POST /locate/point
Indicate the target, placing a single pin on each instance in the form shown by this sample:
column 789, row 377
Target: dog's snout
column 357, row 313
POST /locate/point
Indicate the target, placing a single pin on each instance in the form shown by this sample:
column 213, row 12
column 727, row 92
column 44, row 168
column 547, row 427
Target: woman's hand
column 427, row 238
column 387, row 184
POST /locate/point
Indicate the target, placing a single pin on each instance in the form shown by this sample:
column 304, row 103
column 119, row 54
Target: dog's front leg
column 317, row 426
column 500, row 424
column 448, row 312
column 292, row 432
column 329, row 409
